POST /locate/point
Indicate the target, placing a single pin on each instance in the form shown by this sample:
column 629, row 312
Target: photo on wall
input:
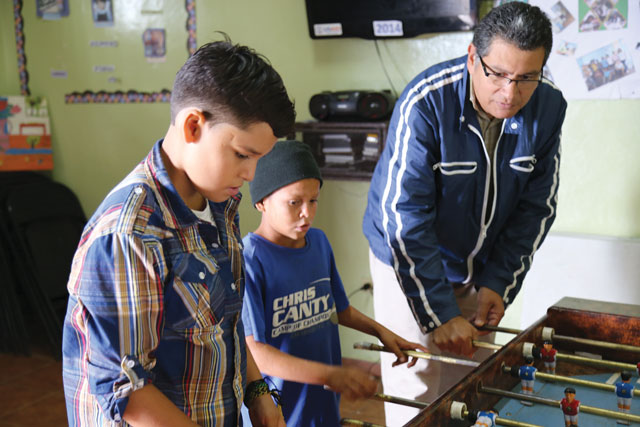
column 599, row 15
column 605, row 65
column 153, row 40
column 52, row 9
column 562, row 17
column 102, row 11
column 565, row 48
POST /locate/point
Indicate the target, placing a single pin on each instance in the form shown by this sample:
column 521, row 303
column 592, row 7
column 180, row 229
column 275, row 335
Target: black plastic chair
column 45, row 223
column 14, row 331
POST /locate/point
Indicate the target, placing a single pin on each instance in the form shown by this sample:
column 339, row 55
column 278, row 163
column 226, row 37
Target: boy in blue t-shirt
column 294, row 298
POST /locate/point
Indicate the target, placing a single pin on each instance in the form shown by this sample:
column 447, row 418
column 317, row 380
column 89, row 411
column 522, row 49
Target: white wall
column 580, row 266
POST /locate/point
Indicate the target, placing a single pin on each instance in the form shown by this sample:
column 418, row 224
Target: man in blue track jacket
column 464, row 194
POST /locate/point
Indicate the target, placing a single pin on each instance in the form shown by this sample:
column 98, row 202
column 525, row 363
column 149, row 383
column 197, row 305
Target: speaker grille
column 373, row 106
column 319, row 106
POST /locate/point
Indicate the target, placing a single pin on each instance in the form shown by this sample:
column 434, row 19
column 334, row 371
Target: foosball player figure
column 484, row 418
column 624, row 391
column 570, row 407
column 527, row 374
column 548, row 355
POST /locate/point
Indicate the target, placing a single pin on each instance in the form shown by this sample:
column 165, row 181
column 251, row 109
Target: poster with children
column 25, row 134
column 596, row 47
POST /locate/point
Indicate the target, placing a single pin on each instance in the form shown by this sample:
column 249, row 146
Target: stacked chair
column 42, row 222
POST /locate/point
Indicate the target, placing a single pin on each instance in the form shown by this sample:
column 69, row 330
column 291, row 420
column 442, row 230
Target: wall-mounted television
column 372, row 19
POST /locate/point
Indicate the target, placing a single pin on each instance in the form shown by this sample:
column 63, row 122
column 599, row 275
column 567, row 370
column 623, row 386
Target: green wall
column 96, row 145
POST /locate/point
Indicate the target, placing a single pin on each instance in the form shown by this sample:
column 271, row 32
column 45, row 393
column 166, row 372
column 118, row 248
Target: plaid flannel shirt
column 155, row 297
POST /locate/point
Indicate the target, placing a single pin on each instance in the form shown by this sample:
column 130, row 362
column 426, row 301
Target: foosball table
column 595, row 341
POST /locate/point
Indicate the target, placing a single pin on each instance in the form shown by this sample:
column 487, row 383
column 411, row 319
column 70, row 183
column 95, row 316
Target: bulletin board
column 596, row 47
column 103, row 51
column 25, row 134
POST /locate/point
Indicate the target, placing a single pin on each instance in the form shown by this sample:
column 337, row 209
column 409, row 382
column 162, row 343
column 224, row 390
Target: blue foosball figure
column 624, row 391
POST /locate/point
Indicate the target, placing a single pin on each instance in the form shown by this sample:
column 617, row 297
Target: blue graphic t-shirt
column 292, row 297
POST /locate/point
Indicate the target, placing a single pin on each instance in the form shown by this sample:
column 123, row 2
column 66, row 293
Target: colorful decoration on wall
column 192, row 45
column 22, row 59
column 25, row 134
column 116, row 97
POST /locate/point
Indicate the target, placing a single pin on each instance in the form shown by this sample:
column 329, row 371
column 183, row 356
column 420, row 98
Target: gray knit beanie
column 289, row 161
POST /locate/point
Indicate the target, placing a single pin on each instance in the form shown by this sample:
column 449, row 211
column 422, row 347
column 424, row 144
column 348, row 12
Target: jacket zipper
column 485, row 223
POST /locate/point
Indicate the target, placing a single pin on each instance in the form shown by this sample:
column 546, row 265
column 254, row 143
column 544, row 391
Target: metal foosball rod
column 556, row 403
column 549, row 334
column 430, row 356
column 462, row 410
column 513, row 371
column 484, row 344
column 400, row 401
column 418, row 354
column 458, row 411
column 354, row 422
column 528, row 349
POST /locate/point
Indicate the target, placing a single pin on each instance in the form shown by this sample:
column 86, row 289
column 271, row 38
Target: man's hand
column 397, row 344
column 456, row 336
column 264, row 413
column 351, row 382
column 490, row 309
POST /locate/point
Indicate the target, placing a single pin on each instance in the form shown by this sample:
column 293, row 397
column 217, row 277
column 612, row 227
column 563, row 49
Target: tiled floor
column 31, row 393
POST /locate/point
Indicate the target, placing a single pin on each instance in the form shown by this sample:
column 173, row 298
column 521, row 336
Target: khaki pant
column 427, row 380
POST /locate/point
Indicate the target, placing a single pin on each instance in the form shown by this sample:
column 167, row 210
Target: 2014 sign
column 391, row 28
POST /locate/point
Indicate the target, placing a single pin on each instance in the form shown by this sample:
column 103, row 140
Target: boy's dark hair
column 570, row 390
column 625, row 375
column 518, row 23
column 232, row 83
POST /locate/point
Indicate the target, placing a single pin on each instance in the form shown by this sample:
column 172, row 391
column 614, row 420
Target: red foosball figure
column 548, row 355
column 570, row 407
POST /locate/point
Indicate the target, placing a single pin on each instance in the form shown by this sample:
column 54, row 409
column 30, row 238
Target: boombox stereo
column 352, row 105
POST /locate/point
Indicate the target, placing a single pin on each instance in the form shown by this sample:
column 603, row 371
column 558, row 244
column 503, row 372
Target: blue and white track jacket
column 429, row 211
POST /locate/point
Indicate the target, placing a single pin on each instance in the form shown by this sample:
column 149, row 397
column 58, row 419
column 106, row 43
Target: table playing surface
column 574, row 317
column 544, row 415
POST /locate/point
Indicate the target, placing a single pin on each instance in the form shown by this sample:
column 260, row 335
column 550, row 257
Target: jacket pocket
column 456, row 168
column 523, row 163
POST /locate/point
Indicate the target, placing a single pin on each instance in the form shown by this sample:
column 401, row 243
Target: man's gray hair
column 521, row 24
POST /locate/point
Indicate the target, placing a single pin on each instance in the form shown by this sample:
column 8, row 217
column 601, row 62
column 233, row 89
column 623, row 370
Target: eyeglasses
column 501, row 81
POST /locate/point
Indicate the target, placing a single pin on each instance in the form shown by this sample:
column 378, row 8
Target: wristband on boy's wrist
column 259, row 388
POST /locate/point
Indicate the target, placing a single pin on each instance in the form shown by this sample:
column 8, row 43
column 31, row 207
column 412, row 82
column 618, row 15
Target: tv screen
column 372, row 19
